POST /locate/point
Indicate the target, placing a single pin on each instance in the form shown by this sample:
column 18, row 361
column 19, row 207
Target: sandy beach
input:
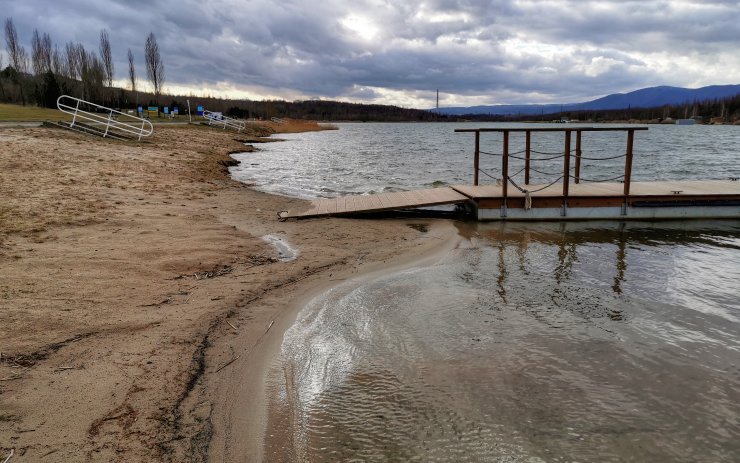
column 140, row 302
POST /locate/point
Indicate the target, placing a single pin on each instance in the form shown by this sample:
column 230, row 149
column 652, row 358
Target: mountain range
column 644, row 98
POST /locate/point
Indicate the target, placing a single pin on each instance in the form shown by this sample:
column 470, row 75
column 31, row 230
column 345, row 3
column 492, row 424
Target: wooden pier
column 350, row 205
column 569, row 197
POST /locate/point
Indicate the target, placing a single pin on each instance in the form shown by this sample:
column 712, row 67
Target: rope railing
column 571, row 154
column 603, row 159
column 597, row 180
column 546, row 153
column 537, row 159
column 489, row 175
column 525, row 191
column 543, row 173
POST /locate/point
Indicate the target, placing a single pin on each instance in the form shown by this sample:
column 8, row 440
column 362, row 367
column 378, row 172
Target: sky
column 402, row 52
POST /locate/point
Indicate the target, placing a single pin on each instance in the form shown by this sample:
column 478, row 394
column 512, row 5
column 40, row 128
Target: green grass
column 29, row 113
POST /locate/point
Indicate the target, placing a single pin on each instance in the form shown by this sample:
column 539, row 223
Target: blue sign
column 166, row 109
column 140, row 109
column 200, row 110
column 176, row 110
column 154, row 108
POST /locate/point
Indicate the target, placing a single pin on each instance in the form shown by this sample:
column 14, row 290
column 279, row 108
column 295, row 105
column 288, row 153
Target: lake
column 586, row 341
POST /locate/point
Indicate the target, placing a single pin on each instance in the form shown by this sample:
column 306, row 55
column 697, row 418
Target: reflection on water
column 550, row 342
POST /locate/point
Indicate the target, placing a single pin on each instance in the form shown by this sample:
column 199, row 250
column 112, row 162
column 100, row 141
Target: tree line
column 717, row 110
column 48, row 71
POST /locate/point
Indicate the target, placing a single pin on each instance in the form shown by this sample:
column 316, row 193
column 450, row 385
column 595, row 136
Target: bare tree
column 22, row 64
column 71, row 64
column 57, row 63
column 105, row 57
column 16, row 52
column 36, row 60
column 40, row 53
column 91, row 71
column 17, row 57
column 154, row 65
column 132, row 74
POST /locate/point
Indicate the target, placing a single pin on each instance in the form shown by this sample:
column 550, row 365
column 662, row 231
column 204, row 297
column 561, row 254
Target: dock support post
column 566, row 171
column 566, row 164
column 476, row 158
column 505, row 172
column 578, row 157
column 528, row 152
column 628, row 161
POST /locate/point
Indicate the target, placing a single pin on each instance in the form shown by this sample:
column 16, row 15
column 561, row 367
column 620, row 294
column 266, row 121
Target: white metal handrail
column 218, row 118
column 112, row 119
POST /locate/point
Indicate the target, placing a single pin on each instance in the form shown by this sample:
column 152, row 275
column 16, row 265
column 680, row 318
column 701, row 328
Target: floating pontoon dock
column 560, row 199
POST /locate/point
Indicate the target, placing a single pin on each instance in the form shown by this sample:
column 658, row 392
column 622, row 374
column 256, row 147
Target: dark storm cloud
column 500, row 51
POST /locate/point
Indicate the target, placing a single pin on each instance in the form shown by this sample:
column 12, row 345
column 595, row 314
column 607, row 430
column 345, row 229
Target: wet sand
column 139, row 302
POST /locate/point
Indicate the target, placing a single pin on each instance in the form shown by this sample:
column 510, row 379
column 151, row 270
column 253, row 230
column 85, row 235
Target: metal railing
column 218, row 118
column 106, row 121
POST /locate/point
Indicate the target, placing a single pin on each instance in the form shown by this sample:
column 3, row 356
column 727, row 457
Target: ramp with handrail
column 216, row 118
column 99, row 120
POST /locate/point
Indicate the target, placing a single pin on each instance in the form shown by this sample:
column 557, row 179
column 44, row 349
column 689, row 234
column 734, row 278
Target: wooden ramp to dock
column 345, row 205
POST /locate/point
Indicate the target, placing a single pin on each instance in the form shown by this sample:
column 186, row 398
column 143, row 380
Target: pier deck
column 348, row 205
column 569, row 197
column 647, row 200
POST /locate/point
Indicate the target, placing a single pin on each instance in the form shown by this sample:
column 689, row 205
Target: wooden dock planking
column 464, row 193
column 380, row 202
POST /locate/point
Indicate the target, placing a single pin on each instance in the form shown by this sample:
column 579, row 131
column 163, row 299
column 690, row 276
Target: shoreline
column 250, row 374
column 133, row 273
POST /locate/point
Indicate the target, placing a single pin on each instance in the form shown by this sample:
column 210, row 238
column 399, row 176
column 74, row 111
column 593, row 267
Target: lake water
column 592, row 341
column 375, row 157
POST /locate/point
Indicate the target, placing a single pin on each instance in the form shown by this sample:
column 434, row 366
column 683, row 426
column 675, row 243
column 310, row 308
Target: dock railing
column 106, row 122
column 215, row 118
column 565, row 154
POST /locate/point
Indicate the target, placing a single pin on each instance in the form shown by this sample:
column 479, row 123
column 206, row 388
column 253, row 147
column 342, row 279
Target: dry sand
column 138, row 302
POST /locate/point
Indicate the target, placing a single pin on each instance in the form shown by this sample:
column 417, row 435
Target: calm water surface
column 531, row 342
column 561, row 342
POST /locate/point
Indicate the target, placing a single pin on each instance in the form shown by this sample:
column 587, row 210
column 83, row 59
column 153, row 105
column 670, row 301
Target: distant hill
column 644, row 98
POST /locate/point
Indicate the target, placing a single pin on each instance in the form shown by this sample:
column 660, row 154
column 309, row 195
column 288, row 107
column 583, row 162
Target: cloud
column 475, row 52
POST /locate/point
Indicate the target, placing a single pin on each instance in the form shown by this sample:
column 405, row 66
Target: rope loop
column 599, row 180
column 602, row 159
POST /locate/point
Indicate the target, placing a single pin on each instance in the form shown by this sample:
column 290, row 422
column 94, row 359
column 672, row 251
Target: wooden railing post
column 505, row 166
column 628, row 161
column 578, row 157
column 527, row 154
column 566, row 164
column 476, row 159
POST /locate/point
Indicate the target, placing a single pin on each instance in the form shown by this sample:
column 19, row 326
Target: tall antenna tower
column 437, row 100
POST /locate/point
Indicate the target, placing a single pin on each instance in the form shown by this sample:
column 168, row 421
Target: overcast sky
column 400, row 52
